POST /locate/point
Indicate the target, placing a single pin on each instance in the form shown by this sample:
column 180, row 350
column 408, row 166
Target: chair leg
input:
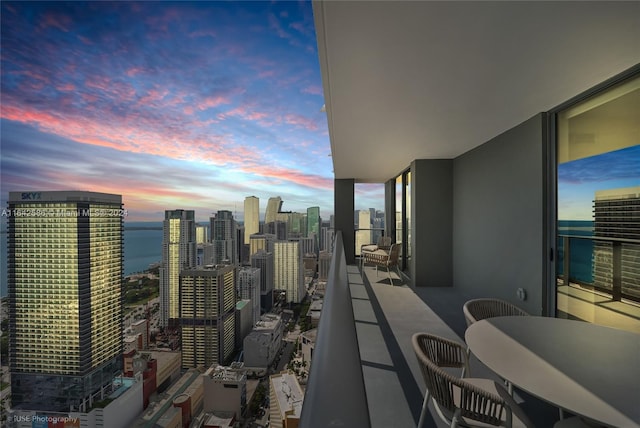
column 389, row 272
column 467, row 372
column 425, row 407
column 454, row 419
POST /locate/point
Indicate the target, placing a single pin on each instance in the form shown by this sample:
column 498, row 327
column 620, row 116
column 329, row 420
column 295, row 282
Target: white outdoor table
column 587, row 369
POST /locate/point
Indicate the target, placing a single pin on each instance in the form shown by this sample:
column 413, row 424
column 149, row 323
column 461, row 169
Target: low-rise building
column 313, row 314
column 218, row 420
column 285, row 400
column 114, row 407
column 225, row 389
column 263, row 343
column 244, row 321
column 178, row 405
column 307, row 345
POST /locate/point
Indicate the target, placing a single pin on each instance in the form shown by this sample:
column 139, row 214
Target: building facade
column 263, row 260
column 207, row 315
column 249, row 288
column 261, row 241
column 288, row 270
column 251, row 217
column 178, row 252
column 274, row 204
column 65, row 274
column 224, row 238
column 225, row 389
column 263, row 343
column 617, row 216
column 285, row 400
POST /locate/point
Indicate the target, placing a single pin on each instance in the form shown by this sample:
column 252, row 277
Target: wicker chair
column 479, row 309
column 461, row 401
column 384, row 243
column 385, row 259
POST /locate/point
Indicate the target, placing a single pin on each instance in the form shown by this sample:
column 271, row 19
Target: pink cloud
column 67, row 87
column 133, row 71
column 85, row 40
column 275, row 25
column 98, row 82
column 153, row 96
column 203, row 33
column 312, row 89
column 56, row 20
column 211, row 102
column 266, row 73
column 301, row 121
column 300, row 27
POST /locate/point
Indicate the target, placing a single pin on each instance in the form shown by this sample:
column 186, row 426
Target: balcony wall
column 499, row 209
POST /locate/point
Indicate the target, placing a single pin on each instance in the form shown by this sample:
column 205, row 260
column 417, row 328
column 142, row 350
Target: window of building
column 598, row 200
column 403, row 218
column 369, row 213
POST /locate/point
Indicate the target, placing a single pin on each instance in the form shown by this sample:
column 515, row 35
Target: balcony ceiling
column 432, row 80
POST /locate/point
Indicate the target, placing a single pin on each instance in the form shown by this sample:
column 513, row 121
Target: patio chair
column 471, row 402
column 386, row 259
column 384, row 243
column 479, row 309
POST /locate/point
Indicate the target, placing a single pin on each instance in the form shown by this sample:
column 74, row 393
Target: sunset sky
column 170, row 104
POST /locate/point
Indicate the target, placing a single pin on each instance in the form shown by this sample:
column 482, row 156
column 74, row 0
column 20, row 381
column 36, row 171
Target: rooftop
column 288, row 393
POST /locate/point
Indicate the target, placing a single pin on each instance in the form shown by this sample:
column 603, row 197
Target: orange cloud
column 215, row 149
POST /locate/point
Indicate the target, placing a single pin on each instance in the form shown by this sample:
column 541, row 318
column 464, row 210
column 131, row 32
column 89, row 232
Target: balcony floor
column 386, row 318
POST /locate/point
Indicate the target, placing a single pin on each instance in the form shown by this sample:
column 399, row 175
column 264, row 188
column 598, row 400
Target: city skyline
column 190, row 105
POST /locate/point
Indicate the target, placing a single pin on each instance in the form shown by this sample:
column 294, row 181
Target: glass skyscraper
column 251, row 217
column 178, row 252
column 65, row 273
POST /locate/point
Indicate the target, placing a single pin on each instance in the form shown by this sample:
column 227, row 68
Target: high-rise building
column 288, row 270
column 363, row 233
column 263, row 260
column 617, row 216
column 261, row 242
column 324, row 264
column 278, row 228
column 313, row 226
column 178, row 252
column 224, row 238
column 297, row 225
column 313, row 221
column 207, row 315
column 274, row 204
column 249, row 288
column 251, row 217
column 202, row 234
column 65, row 273
column 326, row 237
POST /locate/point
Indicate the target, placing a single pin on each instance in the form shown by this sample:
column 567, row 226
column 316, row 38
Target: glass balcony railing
column 608, row 265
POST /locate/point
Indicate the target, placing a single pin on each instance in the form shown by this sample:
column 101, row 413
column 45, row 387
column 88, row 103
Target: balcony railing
column 609, row 265
column 335, row 394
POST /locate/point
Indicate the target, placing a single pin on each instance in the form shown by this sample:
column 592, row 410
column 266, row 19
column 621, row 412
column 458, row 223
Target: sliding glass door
column 403, row 218
column 598, row 208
